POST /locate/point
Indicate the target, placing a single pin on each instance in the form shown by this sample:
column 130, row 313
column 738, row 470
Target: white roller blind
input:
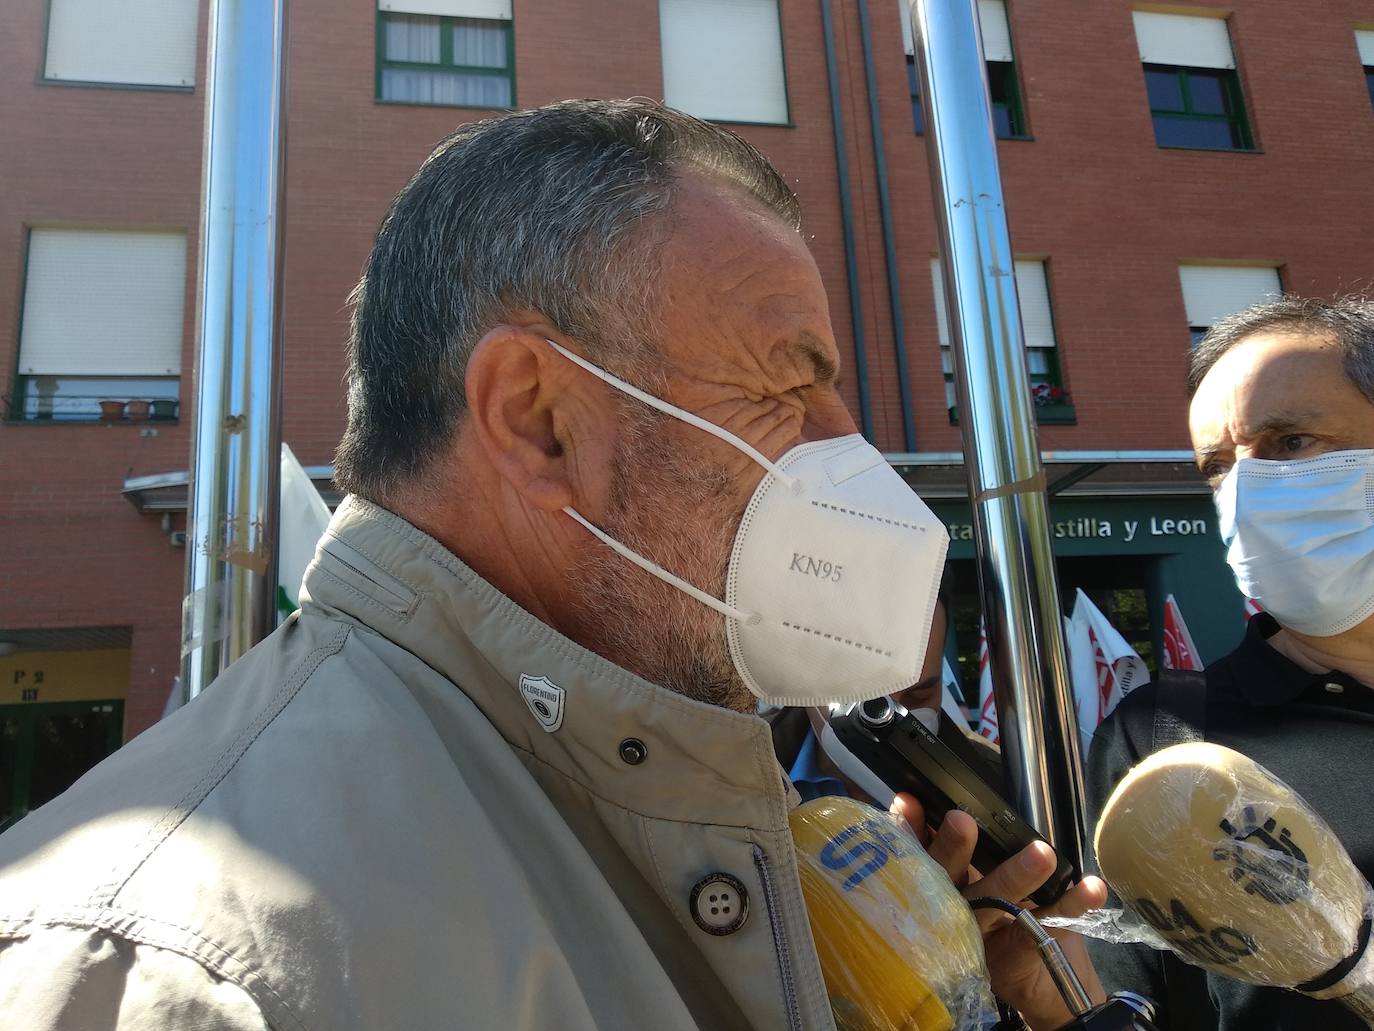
column 1211, row 292
column 992, row 16
column 103, row 303
column 992, row 19
column 138, row 42
column 487, row 9
column 1364, row 39
column 1037, row 318
column 722, row 59
column 1183, row 40
column 937, row 280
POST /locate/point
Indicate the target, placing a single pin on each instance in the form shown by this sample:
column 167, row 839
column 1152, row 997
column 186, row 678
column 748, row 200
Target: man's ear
column 522, row 406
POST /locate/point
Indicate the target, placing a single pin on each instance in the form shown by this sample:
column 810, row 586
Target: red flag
column 1179, row 650
column 1107, row 696
column 987, row 703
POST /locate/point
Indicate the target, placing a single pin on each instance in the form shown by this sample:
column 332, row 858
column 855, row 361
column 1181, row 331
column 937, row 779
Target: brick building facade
column 1104, row 203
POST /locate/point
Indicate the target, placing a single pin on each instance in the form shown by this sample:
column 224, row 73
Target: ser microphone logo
column 1270, row 864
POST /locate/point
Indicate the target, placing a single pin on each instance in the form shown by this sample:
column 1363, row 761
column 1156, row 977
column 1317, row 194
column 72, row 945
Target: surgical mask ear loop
column 677, row 413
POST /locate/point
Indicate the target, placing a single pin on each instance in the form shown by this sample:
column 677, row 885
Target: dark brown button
column 719, row 903
column 632, row 750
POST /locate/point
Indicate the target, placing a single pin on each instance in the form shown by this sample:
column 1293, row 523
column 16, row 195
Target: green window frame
column 1051, row 412
column 1004, row 90
column 1183, row 121
column 447, row 64
column 1369, row 80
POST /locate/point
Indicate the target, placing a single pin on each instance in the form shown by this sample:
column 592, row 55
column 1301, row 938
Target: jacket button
column 719, row 903
column 633, row 751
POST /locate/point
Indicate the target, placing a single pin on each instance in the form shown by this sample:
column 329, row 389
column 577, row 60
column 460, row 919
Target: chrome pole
column 1006, row 482
column 231, row 578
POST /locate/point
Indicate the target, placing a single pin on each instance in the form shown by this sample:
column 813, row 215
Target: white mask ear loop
column 677, row 413
column 728, row 611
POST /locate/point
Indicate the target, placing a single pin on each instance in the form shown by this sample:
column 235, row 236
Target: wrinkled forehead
column 739, row 286
column 1268, row 379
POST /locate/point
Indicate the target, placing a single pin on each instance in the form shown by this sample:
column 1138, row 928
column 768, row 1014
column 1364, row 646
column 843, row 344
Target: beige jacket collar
column 702, row 764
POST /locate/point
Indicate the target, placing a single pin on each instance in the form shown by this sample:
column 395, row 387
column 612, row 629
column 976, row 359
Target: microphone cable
column 1061, row 970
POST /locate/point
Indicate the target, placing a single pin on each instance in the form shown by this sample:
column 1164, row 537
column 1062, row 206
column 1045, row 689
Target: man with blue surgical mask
column 1282, row 423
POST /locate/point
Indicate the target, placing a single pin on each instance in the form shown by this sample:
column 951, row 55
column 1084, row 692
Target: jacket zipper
column 789, row 986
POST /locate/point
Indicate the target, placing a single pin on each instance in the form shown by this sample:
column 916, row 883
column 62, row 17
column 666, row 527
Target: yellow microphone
column 899, row 947
column 1238, row 874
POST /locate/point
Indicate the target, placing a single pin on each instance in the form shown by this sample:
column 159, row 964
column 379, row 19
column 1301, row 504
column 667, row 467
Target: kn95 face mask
column 833, row 577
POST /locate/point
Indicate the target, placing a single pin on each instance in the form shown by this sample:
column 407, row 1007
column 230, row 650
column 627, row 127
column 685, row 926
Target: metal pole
column 231, row 575
column 1006, row 481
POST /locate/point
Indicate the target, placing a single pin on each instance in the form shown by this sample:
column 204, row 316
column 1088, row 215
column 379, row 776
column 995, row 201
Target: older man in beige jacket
column 491, row 774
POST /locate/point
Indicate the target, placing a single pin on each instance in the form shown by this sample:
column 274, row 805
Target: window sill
column 444, row 107
column 1017, row 139
column 155, row 423
column 82, row 84
column 765, row 125
column 1056, row 415
column 1045, row 415
column 1211, row 150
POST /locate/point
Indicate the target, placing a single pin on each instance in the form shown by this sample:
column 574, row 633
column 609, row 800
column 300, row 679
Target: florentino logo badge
column 545, row 699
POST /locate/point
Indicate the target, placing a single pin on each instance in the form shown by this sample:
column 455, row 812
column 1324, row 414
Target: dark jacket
column 1313, row 732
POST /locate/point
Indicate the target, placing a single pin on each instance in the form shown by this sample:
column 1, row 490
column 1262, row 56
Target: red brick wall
column 1091, row 193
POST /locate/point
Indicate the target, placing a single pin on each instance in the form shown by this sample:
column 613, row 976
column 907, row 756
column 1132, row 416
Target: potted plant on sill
column 111, row 411
column 1047, row 395
column 137, row 411
column 164, row 408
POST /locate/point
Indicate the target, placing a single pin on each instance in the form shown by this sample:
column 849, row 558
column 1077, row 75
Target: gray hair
column 1349, row 321
column 546, row 210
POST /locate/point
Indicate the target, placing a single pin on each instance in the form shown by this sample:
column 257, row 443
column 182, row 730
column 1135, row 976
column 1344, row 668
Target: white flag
column 951, row 698
column 304, row 516
column 987, row 703
column 1105, row 668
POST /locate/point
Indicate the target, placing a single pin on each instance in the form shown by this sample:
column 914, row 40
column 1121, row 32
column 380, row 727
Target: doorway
column 46, row 747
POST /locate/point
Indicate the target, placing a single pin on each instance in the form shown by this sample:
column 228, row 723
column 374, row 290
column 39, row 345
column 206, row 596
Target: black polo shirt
column 1315, row 732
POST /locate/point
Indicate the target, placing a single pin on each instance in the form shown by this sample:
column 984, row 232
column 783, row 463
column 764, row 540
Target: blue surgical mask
column 1300, row 538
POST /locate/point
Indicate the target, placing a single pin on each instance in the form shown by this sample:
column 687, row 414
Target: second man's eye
column 1292, row 443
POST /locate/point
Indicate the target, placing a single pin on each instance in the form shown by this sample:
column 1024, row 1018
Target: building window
column 1191, row 81
column 722, row 60
column 918, row 116
column 450, row 53
column 1196, row 107
column 1211, row 292
column 1004, row 87
column 101, row 332
column 149, row 43
column 1042, row 350
column 1364, row 39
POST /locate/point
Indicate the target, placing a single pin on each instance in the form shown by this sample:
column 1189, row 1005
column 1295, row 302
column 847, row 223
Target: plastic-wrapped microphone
column 1238, row 874
column 899, row 947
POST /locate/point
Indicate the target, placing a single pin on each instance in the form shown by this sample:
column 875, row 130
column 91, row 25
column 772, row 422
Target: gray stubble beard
column 682, row 515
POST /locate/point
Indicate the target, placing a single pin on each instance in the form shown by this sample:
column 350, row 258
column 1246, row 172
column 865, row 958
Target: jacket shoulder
column 77, row 850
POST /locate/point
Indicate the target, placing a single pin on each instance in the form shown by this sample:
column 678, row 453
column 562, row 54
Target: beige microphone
column 1239, row 875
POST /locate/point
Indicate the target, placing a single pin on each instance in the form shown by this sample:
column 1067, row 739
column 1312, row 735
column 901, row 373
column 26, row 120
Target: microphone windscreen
column 1234, row 870
column 899, row 947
